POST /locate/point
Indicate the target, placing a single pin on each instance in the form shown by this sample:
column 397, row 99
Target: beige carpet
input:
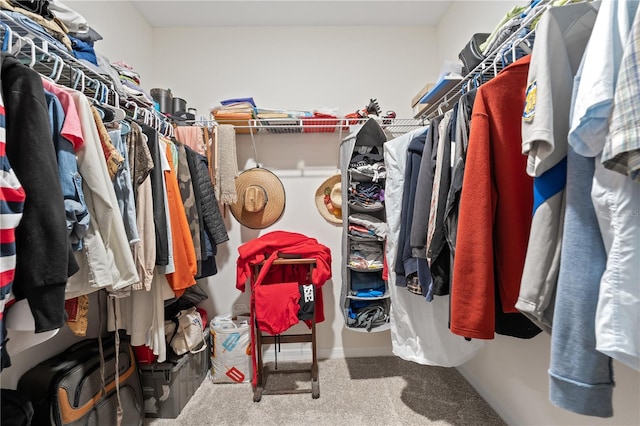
column 353, row 392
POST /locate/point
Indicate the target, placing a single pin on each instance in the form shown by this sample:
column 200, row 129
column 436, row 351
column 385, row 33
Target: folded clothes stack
column 130, row 80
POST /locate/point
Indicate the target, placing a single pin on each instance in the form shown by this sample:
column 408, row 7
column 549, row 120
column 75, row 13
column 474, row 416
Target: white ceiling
column 292, row 13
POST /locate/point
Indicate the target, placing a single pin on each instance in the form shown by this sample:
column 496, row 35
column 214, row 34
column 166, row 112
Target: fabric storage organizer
column 364, row 297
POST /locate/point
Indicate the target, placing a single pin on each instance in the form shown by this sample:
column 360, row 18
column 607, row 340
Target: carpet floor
column 353, row 391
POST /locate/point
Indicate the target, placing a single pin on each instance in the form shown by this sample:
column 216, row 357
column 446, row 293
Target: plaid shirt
column 621, row 152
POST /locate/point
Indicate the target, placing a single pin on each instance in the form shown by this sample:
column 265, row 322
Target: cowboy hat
column 261, row 198
column 329, row 200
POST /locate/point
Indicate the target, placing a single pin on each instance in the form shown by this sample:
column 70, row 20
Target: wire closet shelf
column 501, row 56
column 329, row 127
column 340, row 126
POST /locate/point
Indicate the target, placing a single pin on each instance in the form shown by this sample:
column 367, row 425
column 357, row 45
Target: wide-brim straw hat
column 329, row 200
column 261, row 198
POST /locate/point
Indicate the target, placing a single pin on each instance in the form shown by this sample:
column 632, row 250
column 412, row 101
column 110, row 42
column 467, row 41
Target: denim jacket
column 76, row 209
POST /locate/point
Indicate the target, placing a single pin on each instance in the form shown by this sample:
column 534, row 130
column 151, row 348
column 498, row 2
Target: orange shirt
column 184, row 255
column 495, row 207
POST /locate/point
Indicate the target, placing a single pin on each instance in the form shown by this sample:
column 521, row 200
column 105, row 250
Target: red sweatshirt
column 268, row 247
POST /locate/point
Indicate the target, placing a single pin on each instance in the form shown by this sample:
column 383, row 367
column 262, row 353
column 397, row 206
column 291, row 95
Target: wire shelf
column 494, row 62
column 394, row 126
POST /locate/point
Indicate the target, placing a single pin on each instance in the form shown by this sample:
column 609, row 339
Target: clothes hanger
column 79, row 79
column 30, row 42
column 118, row 113
column 128, row 104
column 8, row 37
column 61, row 68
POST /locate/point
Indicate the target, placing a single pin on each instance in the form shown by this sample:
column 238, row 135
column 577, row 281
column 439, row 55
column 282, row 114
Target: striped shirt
column 12, row 198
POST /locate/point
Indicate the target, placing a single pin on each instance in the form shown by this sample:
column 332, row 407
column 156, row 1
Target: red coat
column 495, row 207
column 275, row 242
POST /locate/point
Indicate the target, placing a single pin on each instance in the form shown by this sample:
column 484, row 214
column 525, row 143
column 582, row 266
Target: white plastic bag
column 230, row 348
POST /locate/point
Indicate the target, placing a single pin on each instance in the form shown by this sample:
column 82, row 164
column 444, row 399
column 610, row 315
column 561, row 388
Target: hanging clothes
column 419, row 330
column 406, row 264
column 159, row 195
column 437, row 249
column 12, row 197
column 106, row 260
column 212, row 227
column 495, row 209
column 141, row 165
column 184, row 255
column 187, row 194
column 42, row 233
column 416, row 209
column 465, row 107
column 615, row 196
column 561, row 38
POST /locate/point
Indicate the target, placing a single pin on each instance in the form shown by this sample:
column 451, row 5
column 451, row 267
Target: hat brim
column 320, row 204
column 275, row 204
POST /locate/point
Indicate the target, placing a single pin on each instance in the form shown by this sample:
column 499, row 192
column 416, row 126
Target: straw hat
column 261, row 198
column 329, row 200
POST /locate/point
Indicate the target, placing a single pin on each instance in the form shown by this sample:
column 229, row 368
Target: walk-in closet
column 320, row 212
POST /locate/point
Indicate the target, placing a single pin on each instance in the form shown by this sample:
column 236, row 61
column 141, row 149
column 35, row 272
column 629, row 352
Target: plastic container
column 179, row 105
column 164, row 99
column 167, row 387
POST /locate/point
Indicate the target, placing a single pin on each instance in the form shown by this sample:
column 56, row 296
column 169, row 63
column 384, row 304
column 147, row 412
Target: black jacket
column 43, row 260
column 158, row 192
column 406, row 264
column 208, row 204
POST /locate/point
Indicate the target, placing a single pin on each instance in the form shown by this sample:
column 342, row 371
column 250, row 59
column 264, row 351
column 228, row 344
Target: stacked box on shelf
column 167, row 387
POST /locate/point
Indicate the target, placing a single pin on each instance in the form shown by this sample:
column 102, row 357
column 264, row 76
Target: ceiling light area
column 215, row 13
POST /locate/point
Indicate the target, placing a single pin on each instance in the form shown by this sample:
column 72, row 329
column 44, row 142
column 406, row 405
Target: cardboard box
column 419, row 109
column 421, row 93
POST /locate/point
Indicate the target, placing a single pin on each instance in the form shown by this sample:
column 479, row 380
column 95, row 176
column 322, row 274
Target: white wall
column 465, row 18
column 511, row 374
column 296, row 68
column 126, row 34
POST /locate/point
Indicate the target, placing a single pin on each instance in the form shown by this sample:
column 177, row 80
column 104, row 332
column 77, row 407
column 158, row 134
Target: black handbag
column 471, row 55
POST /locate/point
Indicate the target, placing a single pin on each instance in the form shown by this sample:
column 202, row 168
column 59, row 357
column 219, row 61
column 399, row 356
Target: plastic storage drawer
column 167, row 387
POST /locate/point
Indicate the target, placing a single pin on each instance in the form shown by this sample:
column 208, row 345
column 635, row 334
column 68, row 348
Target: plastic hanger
column 129, row 104
column 78, row 79
column 8, row 37
column 54, row 71
column 30, row 42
